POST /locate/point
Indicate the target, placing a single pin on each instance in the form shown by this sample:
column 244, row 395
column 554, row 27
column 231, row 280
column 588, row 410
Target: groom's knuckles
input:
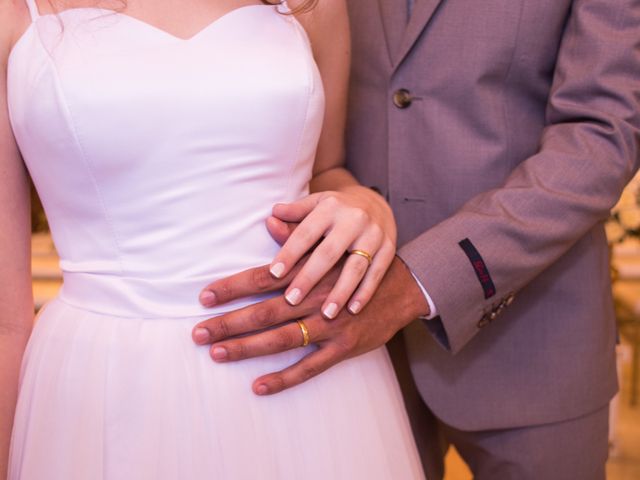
column 238, row 350
column 306, row 371
column 219, row 327
column 344, row 344
column 261, row 280
column 224, row 289
column 262, row 315
column 249, row 282
column 275, row 311
column 285, row 339
column 310, row 367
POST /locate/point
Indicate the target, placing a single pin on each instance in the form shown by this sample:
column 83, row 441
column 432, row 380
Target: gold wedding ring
column 362, row 253
column 305, row 333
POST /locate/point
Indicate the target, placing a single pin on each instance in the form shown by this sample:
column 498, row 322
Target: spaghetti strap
column 33, row 9
column 283, row 6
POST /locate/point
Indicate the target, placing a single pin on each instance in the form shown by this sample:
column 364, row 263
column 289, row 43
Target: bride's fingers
column 374, row 275
column 305, row 236
column 325, row 256
column 298, row 210
column 280, row 231
column 329, row 251
column 354, row 270
column 310, row 366
column 286, row 337
column 321, row 260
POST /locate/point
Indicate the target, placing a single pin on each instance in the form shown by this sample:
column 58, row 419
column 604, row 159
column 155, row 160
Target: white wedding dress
column 157, row 159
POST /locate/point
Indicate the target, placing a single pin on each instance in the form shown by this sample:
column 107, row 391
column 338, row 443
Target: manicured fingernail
column 219, row 353
column 201, row 335
column 207, row 298
column 355, row 307
column 262, row 389
column 293, row 297
column 277, row 270
column 331, row 310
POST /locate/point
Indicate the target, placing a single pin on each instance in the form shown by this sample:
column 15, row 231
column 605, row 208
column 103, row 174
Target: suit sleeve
column 588, row 153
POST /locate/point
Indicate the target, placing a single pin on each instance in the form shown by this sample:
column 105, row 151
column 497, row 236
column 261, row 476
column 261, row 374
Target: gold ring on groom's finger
column 305, row 333
column 362, row 253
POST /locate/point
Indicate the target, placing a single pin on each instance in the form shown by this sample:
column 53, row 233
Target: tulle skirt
column 105, row 397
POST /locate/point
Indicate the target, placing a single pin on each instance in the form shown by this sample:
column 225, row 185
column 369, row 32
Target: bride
column 160, row 134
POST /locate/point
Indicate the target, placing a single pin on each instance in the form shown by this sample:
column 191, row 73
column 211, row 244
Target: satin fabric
column 157, row 160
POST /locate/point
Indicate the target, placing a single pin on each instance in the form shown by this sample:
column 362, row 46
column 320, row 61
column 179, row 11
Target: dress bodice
column 157, row 158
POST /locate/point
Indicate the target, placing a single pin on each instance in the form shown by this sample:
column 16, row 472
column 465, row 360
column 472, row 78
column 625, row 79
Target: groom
column 501, row 132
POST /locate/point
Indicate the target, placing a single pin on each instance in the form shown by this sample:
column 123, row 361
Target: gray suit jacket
column 517, row 129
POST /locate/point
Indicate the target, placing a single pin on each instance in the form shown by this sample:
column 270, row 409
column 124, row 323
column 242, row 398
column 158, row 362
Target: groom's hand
column 396, row 303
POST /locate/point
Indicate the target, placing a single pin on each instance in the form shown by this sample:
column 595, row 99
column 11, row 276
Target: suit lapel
column 423, row 10
column 394, row 19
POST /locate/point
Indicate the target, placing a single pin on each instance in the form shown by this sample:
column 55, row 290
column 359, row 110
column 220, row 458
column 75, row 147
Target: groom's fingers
column 313, row 364
column 249, row 319
column 283, row 338
column 244, row 284
column 260, row 315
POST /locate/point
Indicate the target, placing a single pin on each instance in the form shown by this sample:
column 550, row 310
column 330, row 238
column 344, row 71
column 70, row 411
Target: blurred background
column 623, row 230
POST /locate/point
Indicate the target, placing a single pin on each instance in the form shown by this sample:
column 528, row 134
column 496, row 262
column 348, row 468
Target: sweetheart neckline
column 149, row 26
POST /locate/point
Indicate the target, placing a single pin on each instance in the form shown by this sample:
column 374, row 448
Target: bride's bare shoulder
column 14, row 19
column 317, row 11
column 326, row 21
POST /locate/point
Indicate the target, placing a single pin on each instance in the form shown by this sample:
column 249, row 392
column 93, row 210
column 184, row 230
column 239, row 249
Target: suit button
column 509, row 300
column 484, row 321
column 402, row 98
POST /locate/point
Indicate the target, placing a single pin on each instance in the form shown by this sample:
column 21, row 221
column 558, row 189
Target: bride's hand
column 354, row 219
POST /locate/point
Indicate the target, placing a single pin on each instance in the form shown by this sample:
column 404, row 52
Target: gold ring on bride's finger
column 305, row 333
column 362, row 253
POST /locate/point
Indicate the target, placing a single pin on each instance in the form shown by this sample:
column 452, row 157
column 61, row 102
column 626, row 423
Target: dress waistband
column 142, row 297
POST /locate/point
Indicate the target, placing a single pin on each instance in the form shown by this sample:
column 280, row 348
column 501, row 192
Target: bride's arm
column 348, row 215
column 16, row 304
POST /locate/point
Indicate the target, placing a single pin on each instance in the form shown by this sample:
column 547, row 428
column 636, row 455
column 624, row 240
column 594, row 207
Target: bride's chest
column 113, row 80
